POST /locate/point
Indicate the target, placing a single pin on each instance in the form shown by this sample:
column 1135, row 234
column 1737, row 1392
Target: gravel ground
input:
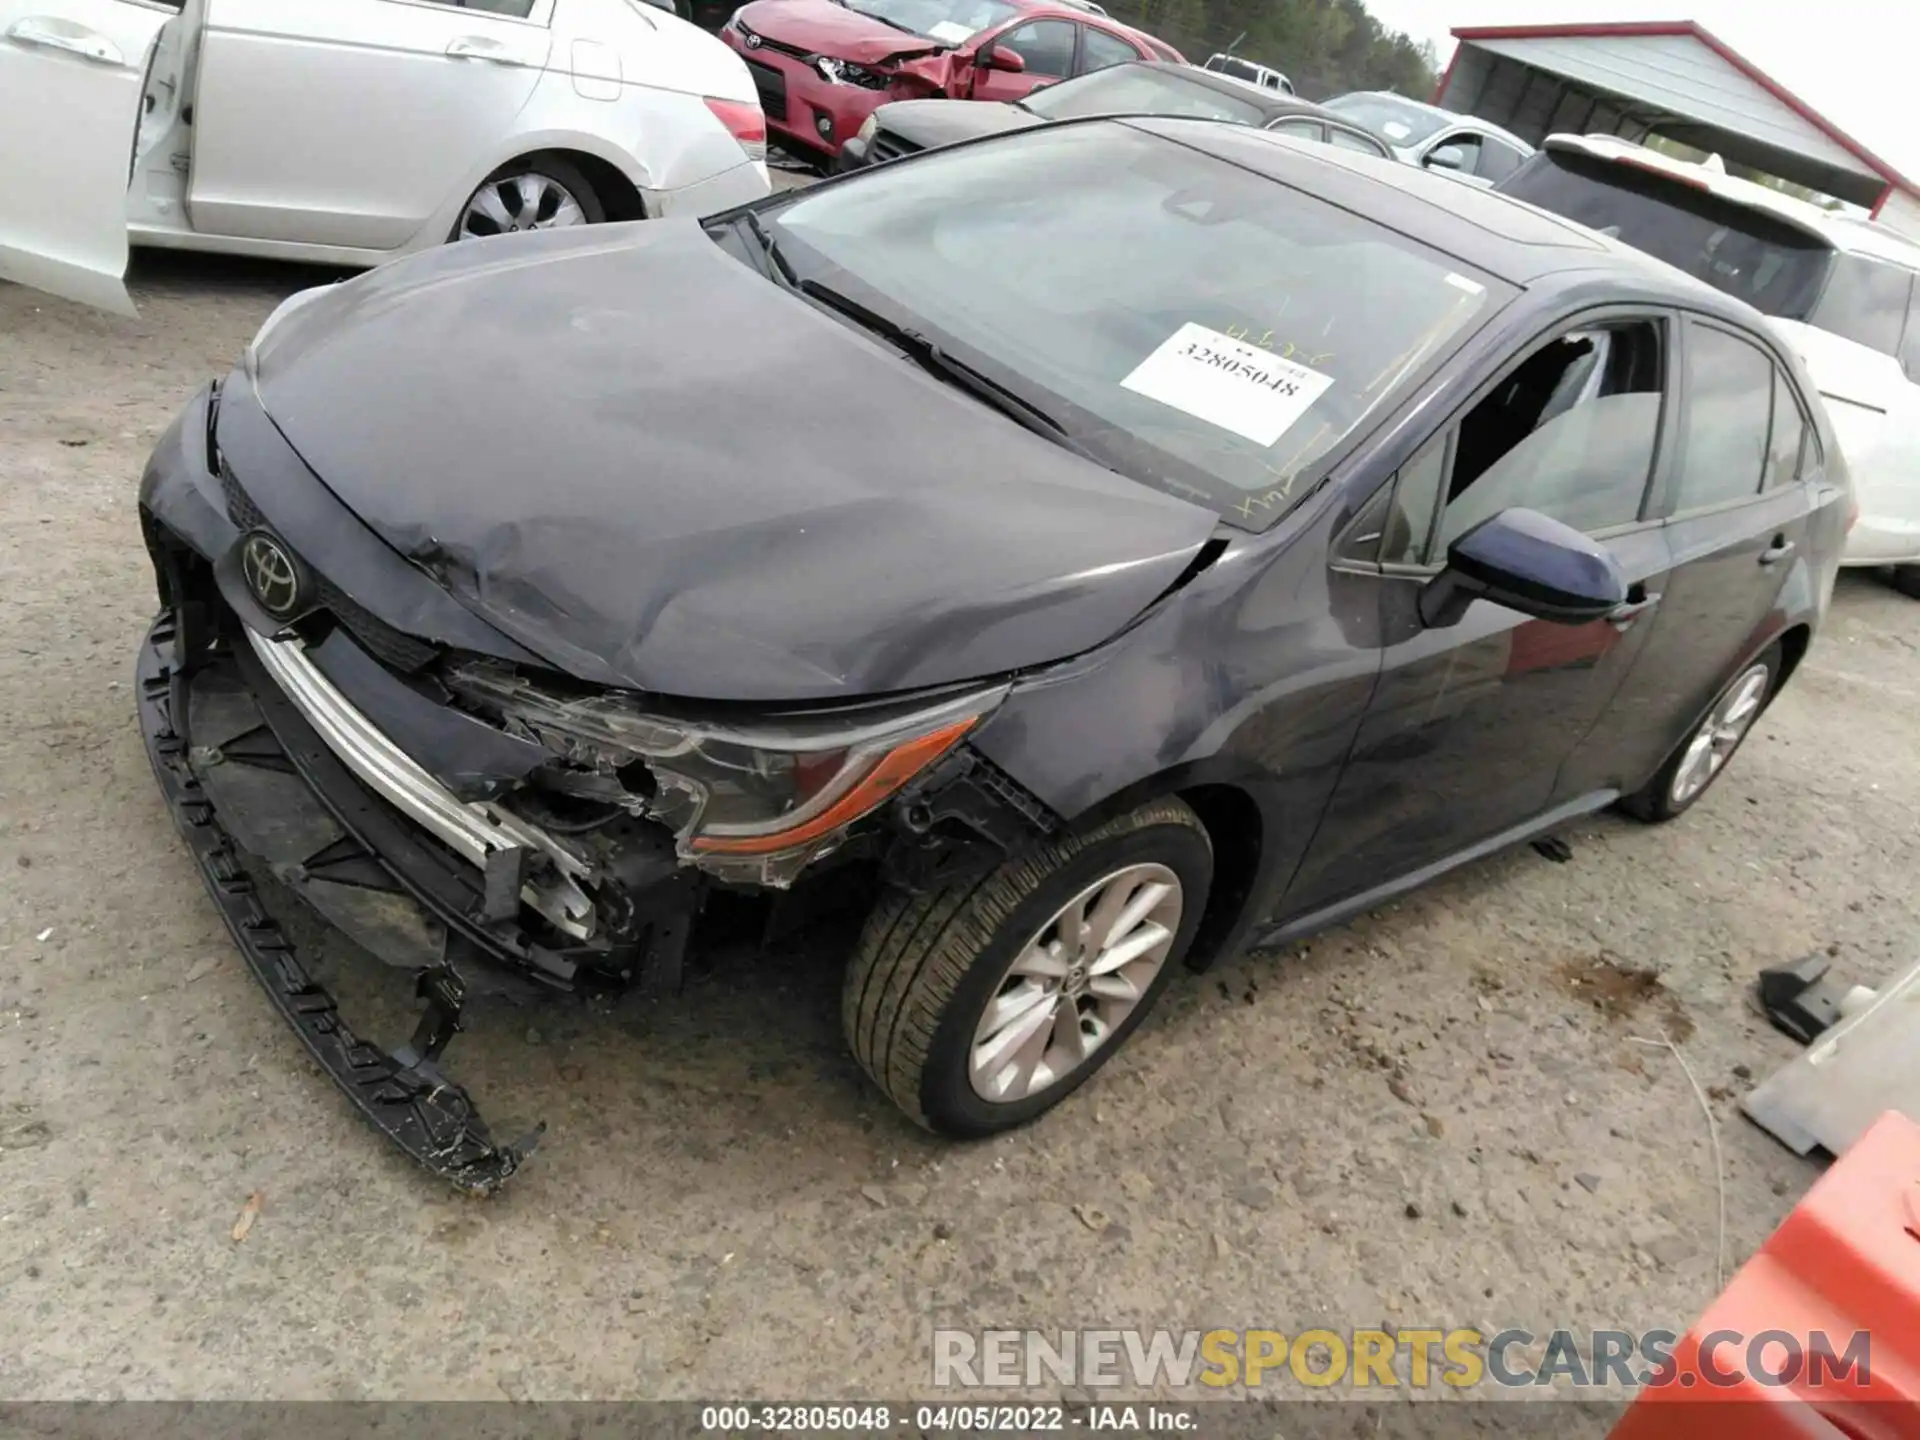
column 1437, row 1115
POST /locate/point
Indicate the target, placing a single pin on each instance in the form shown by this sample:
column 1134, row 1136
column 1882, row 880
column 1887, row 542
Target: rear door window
column 1789, row 436
column 1102, row 50
column 1724, row 434
column 1866, row 302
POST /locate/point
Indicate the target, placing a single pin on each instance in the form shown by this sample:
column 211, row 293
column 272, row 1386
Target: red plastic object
column 1845, row 1262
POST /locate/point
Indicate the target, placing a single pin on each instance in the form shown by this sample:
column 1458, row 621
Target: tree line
column 1326, row 47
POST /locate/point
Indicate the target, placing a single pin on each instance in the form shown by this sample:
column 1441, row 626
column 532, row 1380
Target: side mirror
column 1528, row 562
column 1446, row 157
column 1002, row 57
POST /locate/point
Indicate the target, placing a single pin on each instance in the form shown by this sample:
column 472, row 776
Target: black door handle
column 1625, row 613
column 1776, row 552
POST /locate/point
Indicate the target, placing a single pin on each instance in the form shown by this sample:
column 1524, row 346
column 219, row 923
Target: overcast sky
column 1857, row 62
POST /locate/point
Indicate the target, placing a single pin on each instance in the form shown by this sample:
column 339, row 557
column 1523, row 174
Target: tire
column 562, row 180
column 1906, row 579
column 1661, row 799
column 927, row 966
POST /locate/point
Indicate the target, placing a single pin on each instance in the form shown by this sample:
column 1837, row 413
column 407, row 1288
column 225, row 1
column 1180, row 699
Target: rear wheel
column 535, row 194
column 1704, row 754
column 980, row 1005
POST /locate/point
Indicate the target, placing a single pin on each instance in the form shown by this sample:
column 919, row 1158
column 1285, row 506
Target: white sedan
column 351, row 131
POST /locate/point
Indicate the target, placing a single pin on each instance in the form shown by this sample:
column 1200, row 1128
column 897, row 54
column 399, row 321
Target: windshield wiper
column 928, row 355
column 763, row 237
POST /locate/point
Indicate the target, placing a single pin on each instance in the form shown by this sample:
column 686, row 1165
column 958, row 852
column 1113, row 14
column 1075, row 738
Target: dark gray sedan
column 904, row 127
column 1285, row 529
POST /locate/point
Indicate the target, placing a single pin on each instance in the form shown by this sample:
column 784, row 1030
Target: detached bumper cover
column 403, row 1093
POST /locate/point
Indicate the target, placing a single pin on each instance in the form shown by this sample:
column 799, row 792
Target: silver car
column 1459, row 145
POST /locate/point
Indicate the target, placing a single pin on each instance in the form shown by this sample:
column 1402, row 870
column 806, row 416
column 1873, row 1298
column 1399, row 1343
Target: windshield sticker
column 1226, row 382
column 1460, row 282
column 948, row 31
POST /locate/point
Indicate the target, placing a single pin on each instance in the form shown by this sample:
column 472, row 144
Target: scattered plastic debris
column 249, row 1213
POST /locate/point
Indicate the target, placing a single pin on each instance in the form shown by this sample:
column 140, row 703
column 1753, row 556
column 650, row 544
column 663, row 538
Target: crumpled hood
column 820, row 27
column 653, row 467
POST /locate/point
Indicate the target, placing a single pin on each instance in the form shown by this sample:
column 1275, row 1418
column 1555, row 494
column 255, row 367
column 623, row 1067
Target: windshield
column 1187, row 322
column 1140, row 90
column 948, row 21
column 1775, row 267
column 1401, row 121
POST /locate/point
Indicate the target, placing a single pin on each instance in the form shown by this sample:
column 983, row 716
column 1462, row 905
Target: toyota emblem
column 271, row 575
column 752, row 40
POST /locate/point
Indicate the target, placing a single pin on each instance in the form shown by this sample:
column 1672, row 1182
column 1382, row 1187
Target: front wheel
column 980, row 1005
column 535, row 194
column 1704, row 754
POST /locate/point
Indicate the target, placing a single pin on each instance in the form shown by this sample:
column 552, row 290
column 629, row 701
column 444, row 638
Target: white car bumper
column 744, row 182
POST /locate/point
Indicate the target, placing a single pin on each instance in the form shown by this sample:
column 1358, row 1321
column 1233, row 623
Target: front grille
column 766, row 42
column 392, row 648
column 889, row 146
column 772, row 85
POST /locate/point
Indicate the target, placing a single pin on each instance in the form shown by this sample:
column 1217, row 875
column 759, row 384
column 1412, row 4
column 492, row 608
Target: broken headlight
column 845, row 72
column 753, row 801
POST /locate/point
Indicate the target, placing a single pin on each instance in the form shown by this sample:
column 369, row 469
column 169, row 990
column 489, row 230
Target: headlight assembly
column 749, row 801
column 845, row 72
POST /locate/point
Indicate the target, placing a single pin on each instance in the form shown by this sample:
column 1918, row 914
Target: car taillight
column 745, row 121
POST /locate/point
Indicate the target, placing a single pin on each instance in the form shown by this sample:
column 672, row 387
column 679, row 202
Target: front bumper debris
column 479, row 833
column 403, row 1093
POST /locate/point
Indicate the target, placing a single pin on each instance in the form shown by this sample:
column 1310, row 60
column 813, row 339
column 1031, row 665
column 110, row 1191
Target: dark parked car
column 1146, row 87
column 1286, row 528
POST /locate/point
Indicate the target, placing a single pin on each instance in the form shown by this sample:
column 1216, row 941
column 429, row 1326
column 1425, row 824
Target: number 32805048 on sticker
column 1229, row 383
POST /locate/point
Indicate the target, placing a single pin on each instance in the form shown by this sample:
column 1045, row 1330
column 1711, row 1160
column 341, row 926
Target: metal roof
column 1674, row 79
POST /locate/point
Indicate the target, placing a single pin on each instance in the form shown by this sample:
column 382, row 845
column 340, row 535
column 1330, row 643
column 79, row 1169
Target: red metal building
column 1669, row 78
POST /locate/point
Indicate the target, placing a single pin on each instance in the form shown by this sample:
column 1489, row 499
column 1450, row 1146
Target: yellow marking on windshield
column 1286, row 350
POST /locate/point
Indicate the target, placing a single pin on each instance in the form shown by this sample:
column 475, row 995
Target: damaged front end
column 482, row 822
column 751, row 802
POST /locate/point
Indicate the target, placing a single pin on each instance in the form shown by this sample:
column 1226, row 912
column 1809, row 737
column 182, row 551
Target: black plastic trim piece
column 404, row 1095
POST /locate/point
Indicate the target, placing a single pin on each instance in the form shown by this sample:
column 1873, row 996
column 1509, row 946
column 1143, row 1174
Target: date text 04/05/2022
column 931, row 1419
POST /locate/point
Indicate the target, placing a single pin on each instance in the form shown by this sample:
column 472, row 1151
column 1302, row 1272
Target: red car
column 823, row 66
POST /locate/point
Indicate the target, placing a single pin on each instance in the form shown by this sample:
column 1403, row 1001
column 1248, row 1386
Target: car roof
column 1451, row 117
column 1842, row 232
column 1517, row 242
column 1275, row 102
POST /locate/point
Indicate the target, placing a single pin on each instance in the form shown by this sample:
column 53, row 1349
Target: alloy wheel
column 526, row 201
column 1073, row 984
column 1719, row 734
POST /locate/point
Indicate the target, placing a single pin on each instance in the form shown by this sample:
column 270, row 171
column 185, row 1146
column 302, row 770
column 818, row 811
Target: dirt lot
column 1437, row 1115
